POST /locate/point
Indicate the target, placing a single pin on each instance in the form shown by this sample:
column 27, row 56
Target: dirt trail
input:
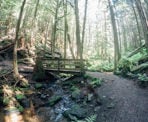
column 123, row 100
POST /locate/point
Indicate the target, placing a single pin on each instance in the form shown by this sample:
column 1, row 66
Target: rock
column 76, row 94
column 46, row 114
column 25, row 103
column 75, row 112
column 111, row 105
column 38, row 85
column 43, row 96
column 89, row 97
column 97, row 108
column 54, row 99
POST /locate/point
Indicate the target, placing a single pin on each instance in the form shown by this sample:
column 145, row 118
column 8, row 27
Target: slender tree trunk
column 79, row 43
column 77, row 29
column 70, row 46
column 65, row 24
column 36, row 8
column 84, row 24
column 105, row 34
column 15, row 64
column 53, row 36
column 143, row 20
column 137, row 22
column 124, row 37
column 117, row 54
column 146, row 2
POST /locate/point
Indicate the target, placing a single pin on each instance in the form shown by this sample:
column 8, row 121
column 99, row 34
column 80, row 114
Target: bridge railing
column 64, row 64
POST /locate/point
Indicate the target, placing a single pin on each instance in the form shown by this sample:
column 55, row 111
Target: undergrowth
column 91, row 118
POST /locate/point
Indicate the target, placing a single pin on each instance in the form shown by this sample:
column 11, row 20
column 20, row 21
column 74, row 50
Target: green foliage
column 100, row 65
column 20, row 96
column 91, row 118
column 135, row 58
column 54, row 99
column 6, row 100
column 125, row 66
column 87, row 76
column 38, row 85
column 143, row 79
column 74, row 88
column 76, row 92
column 96, row 82
column 20, row 108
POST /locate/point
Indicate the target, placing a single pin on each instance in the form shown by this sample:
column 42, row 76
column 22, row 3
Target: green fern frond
column 91, row 118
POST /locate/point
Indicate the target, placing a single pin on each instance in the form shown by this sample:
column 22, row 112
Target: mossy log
column 140, row 68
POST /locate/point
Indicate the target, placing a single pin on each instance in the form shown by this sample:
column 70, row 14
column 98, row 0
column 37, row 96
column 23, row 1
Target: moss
column 54, row 99
column 39, row 72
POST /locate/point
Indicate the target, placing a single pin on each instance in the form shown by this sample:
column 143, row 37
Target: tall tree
column 84, row 24
column 78, row 39
column 137, row 22
column 54, row 30
column 17, row 76
column 143, row 20
column 79, row 43
column 65, row 26
column 117, row 54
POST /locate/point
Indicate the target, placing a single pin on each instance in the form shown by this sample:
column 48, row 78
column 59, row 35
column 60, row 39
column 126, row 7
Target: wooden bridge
column 64, row 65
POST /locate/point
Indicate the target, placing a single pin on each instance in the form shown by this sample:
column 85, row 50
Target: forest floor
column 122, row 99
column 126, row 100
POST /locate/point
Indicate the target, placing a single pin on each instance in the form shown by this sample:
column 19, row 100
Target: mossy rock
column 76, row 111
column 54, row 99
column 76, row 94
column 38, row 85
column 39, row 72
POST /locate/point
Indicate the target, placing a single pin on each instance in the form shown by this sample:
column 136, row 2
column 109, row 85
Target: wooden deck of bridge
column 73, row 66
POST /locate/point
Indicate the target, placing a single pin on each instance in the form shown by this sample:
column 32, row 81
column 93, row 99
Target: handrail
column 63, row 64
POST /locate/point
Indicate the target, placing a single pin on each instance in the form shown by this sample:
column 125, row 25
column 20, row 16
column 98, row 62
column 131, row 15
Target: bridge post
column 58, row 65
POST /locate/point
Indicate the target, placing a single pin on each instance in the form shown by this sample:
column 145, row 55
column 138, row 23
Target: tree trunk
column 15, row 64
column 124, row 37
column 77, row 29
column 117, row 54
column 65, row 28
column 36, row 8
column 137, row 22
column 143, row 20
column 79, row 43
column 53, row 36
column 84, row 24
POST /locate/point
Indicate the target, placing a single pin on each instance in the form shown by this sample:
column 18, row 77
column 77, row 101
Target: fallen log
column 135, row 51
column 140, row 68
column 5, row 48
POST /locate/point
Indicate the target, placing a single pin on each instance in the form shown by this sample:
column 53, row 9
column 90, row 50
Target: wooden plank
column 64, row 71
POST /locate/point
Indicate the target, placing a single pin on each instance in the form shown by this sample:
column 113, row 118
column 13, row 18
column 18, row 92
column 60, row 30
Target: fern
column 91, row 118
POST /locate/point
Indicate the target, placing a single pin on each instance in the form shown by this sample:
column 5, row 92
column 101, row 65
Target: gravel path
column 123, row 100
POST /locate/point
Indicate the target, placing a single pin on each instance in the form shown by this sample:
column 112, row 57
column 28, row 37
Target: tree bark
column 15, row 64
column 138, row 26
column 79, row 43
column 53, row 36
column 143, row 20
column 36, row 8
column 117, row 54
column 65, row 27
column 84, row 24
